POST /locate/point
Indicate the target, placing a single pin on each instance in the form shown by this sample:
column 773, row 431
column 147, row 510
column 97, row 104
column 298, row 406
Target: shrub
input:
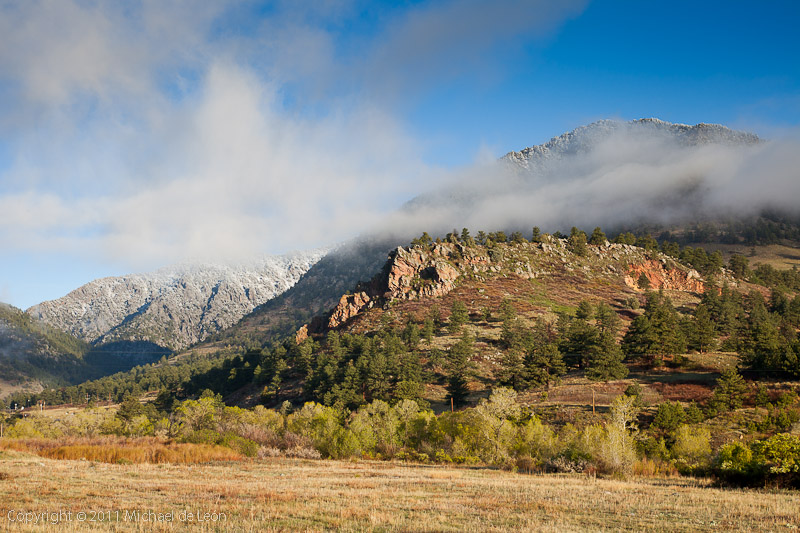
column 774, row 461
column 303, row 452
column 246, row 447
column 268, row 451
column 692, row 449
column 654, row 468
column 634, row 389
column 694, row 415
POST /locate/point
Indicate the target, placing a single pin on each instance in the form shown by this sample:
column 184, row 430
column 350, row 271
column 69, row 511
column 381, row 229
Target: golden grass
column 287, row 495
column 118, row 450
column 777, row 255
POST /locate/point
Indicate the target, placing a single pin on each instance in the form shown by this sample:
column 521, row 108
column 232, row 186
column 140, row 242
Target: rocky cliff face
column 173, row 307
column 664, row 275
column 419, row 272
column 411, row 273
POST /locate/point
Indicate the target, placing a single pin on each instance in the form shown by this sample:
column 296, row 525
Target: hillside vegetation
column 34, row 354
column 577, row 354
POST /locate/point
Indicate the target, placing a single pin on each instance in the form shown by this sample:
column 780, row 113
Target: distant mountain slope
column 173, row 307
column 586, row 138
column 316, row 292
column 34, row 354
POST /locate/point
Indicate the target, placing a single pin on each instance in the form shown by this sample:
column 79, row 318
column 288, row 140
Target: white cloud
column 154, row 131
column 629, row 177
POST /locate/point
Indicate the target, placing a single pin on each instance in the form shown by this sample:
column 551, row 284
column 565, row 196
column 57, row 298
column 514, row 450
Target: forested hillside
column 35, row 355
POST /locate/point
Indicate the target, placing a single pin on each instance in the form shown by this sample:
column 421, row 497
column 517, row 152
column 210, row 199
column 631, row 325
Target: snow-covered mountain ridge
column 584, row 138
column 174, row 306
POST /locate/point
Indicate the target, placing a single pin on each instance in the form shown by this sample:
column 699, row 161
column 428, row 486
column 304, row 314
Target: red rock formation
column 411, row 273
column 301, row 335
column 348, row 307
column 661, row 277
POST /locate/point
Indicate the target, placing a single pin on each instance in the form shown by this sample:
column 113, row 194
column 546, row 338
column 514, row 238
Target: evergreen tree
column 411, row 335
column 436, row 316
column 655, row 333
column 759, row 342
column 598, row 237
column 346, row 394
column 536, row 235
column 739, row 265
column 584, row 311
column 466, row 239
column 459, row 369
column 428, row 330
column 625, row 238
column 702, row 335
column 577, row 242
column 729, row 391
column 378, row 377
column 507, row 310
column 459, row 315
column 512, row 370
column 580, row 341
column 543, row 364
column 605, row 360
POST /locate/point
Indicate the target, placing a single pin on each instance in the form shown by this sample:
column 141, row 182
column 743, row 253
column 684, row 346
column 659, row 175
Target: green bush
column 244, row 446
column 774, row 461
column 692, row 449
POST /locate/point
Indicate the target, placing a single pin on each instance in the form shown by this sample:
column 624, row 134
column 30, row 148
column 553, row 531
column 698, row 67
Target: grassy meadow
column 286, row 494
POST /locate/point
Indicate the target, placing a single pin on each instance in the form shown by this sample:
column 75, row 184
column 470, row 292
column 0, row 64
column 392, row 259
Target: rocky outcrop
column 411, row 273
column 662, row 275
column 349, row 305
column 173, row 307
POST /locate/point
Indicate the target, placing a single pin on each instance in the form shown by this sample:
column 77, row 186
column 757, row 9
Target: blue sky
column 138, row 134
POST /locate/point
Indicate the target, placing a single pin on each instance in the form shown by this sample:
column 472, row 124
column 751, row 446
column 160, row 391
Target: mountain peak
column 585, row 138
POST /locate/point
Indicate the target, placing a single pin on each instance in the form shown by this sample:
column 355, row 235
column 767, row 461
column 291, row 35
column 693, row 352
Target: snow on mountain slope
column 174, row 306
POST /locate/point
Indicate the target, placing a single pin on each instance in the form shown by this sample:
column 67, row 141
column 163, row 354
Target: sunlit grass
column 120, row 450
column 282, row 494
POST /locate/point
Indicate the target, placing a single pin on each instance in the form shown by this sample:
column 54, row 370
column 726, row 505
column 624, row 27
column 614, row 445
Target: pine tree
column 759, row 342
column 606, row 362
column 411, row 335
column 729, row 391
column 536, row 234
column 543, row 364
column 702, row 331
column 466, row 239
column 598, row 237
column 428, row 330
column 577, row 242
column 512, row 370
column 378, row 383
column 655, row 333
column 584, row 311
column 459, row 315
column 580, row 341
column 459, row 368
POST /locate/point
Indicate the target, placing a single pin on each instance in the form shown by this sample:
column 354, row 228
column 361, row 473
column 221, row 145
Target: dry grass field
column 289, row 495
column 777, row 255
